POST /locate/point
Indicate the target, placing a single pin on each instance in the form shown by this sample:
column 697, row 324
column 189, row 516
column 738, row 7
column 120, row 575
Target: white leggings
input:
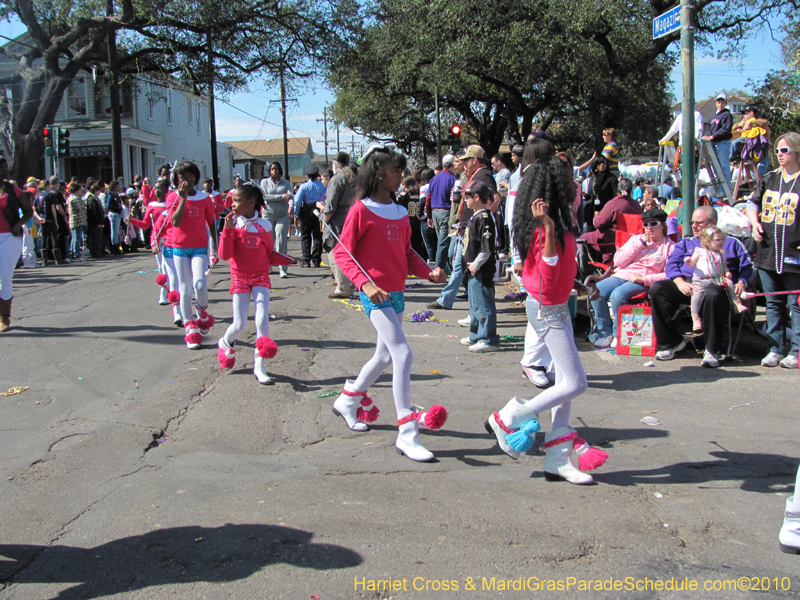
column 241, row 306
column 10, row 251
column 192, row 276
column 392, row 349
column 168, row 263
column 570, row 378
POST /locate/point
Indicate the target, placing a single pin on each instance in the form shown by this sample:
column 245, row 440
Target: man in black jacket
column 719, row 134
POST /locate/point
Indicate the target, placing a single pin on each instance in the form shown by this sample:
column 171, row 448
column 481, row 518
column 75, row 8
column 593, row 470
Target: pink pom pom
column 266, row 346
column 435, row 417
column 367, row 412
column 214, row 260
column 174, row 297
column 225, row 361
column 589, row 458
column 161, row 280
column 206, row 321
column 194, row 338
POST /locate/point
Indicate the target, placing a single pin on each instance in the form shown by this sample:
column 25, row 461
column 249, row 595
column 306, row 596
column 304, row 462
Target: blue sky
column 250, row 115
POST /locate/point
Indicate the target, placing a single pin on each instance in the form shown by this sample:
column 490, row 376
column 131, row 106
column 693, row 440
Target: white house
column 161, row 123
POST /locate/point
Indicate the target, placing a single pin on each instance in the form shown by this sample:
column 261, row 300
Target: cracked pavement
column 134, row 468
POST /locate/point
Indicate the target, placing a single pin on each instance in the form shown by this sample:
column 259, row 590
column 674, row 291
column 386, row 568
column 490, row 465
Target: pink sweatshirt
column 557, row 280
column 382, row 246
column 249, row 246
column 198, row 213
column 635, row 259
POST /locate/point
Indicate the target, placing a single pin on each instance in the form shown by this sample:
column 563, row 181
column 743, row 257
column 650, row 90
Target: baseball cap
column 518, row 149
column 654, row 213
column 312, row 170
column 448, row 160
column 130, row 191
column 480, row 189
column 722, row 97
column 473, row 151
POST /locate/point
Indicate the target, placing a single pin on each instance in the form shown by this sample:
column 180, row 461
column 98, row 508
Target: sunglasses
column 651, row 224
column 782, row 150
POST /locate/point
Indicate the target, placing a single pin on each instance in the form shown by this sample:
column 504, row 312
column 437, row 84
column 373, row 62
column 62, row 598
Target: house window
column 191, row 112
column 102, row 99
column 197, row 108
column 169, row 106
column 76, row 98
column 151, row 102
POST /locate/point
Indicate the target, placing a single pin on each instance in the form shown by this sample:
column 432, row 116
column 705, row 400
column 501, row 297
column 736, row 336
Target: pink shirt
column 635, row 259
column 4, row 225
column 150, row 218
column 199, row 212
column 557, row 280
column 249, row 246
column 381, row 246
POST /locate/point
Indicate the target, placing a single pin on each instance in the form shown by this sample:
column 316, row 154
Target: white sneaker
column 709, row 360
column 789, row 536
column 772, row 359
column 536, row 377
column 603, row 342
column 790, row 362
column 465, row 322
column 669, row 353
column 466, row 341
column 283, row 274
column 482, row 346
column 614, row 342
column 593, row 337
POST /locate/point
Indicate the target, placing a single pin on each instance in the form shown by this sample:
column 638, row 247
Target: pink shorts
column 243, row 283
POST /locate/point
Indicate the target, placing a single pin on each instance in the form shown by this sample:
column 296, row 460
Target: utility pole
column 687, row 106
column 352, row 144
column 116, row 123
column 338, row 147
column 324, row 120
column 212, row 119
column 438, row 127
column 283, row 101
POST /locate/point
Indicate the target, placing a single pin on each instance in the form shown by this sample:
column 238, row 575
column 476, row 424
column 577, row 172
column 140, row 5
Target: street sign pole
column 688, row 184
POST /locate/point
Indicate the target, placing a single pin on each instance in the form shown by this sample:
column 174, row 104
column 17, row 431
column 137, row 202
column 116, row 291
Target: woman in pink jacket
column 639, row 263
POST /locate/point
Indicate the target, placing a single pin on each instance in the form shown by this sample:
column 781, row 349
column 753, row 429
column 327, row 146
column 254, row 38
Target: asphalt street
column 134, row 468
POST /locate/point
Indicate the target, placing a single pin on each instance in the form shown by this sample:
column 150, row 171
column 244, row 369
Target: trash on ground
column 651, row 412
column 435, row 372
column 649, row 363
column 329, row 394
column 515, row 296
column 657, row 495
column 652, row 421
column 16, row 390
column 739, row 406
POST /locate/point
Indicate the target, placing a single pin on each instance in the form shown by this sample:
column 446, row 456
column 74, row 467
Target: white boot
column 346, row 407
column 226, row 355
column 176, row 315
column 789, row 536
column 192, row 335
column 408, row 439
column 162, row 297
column 558, row 465
column 506, row 421
column 260, row 372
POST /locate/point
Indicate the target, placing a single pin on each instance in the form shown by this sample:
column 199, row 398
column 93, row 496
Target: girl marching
column 246, row 241
column 375, row 254
column 156, row 205
column 193, row 217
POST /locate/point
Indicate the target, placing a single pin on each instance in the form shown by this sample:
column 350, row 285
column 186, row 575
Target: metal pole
column 687, row 106
column 285, row 140
column 438, row 127
column 338, row 148
column 116, row 123
column 212, row 119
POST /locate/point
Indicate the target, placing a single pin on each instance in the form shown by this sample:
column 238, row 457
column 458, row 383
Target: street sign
column 667, row 23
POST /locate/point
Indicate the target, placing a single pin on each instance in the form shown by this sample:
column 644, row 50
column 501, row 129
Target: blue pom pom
column 522, row 440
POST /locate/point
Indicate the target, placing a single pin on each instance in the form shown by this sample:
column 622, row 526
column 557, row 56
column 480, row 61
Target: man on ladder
column 719, row 134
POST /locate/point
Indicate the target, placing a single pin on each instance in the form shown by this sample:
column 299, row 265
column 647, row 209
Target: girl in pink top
column 193, row 218
column 156, row 205
column 549, row 268
column 246, row 241
column 710, row 268
column 378, row 234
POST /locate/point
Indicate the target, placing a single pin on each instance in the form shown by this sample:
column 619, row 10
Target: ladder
column 746, row 176
column 710, row 162
column 666, row 157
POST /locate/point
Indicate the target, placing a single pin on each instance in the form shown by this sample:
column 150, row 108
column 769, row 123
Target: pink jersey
column 557, row 280
column 198, row 214
column 249, row 246
column 382, row 247
column 151, row 215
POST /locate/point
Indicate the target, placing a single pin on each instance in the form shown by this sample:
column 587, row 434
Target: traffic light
column 47, row 133
column 62, row 142
column 455, row 137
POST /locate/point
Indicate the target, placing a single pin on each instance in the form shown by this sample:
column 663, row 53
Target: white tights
column 192, row 277
column 168, row 263
column 392, row 349
column 570, row 378
column 10, row 251
column 241, row 306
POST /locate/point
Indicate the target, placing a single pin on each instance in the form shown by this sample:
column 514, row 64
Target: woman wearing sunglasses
column 639, row 263
column 773, row 213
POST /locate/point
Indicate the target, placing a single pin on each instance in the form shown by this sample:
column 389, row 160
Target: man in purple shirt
column 438, row 209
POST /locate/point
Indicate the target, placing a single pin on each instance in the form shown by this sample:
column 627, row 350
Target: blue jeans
column 77, row 240
column 771, row 281
column 115, row 219
column 619, row 291
column 440, row 219
column 723, row 149
column 483, row 314
column 448, row 295
column 430, row 239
